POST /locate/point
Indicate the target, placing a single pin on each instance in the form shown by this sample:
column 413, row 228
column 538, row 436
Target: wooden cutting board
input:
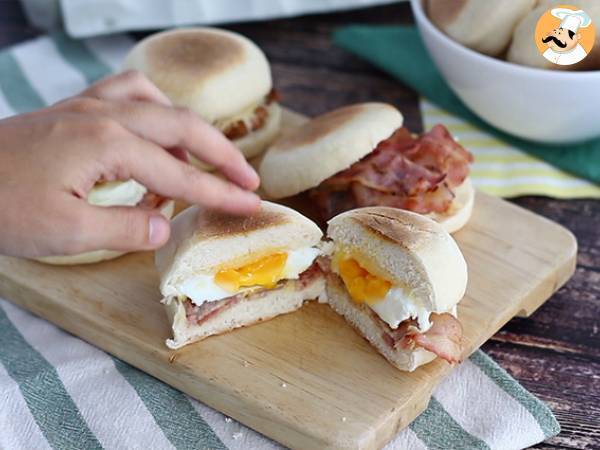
column 296, row 377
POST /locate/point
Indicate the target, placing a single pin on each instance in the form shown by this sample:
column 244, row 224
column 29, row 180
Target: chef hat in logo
column 572, row 20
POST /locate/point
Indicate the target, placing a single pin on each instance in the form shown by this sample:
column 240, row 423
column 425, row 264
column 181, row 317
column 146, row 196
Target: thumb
column 124, row 228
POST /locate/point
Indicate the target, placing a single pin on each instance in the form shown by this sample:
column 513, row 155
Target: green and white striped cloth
column 56, row 391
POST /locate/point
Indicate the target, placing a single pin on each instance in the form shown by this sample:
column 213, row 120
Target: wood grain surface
column 555, row 352
column 288, row 378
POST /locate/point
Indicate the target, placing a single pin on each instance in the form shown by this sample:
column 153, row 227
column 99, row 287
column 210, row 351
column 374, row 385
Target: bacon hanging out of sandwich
column 416, row 173
column 152, row 201
column 240, row 128
column 443, row 338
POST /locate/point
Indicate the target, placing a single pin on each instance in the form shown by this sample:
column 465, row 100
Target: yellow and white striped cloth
column 505, row 171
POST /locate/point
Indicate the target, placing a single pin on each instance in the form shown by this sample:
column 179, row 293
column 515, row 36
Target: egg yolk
column 265, row 272
column 362, row 286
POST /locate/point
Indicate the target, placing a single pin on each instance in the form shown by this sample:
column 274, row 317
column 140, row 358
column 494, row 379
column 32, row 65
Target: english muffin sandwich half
column 220, row 75
column 360, row 155
column 221, row 272
column 115, row 193
column 397, row 277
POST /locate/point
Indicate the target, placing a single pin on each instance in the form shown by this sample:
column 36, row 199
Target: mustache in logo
column 556, row 41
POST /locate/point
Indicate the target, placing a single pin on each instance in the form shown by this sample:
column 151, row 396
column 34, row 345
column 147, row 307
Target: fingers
column 119, row 229
column 179, row 153
column 129, row 85
column 164, row 174
column 182, row 128
column 175, row 128
column 210, row 146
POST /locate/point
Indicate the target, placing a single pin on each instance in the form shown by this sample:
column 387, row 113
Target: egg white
column 397, row 306
column 202, row 288
column 117, row 193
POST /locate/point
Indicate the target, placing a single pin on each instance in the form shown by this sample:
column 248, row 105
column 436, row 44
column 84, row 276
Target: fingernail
column 253, row 179
column 158, row 230
column 253, row 199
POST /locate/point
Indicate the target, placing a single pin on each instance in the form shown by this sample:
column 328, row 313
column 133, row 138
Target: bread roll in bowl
column 485, row 26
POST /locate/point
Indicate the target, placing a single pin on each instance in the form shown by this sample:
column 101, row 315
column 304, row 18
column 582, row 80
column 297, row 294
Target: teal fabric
column 81, row 57
column 411, row 64
column 15, row 87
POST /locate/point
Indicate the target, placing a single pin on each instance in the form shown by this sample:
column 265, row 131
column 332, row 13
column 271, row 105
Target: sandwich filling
column 124, row 193
column 417, row 173
column 199, row 314
column 251, row 119
column 205, row 294
column 403, row 319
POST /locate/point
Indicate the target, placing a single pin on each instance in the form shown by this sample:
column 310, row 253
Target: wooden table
column 555, row 353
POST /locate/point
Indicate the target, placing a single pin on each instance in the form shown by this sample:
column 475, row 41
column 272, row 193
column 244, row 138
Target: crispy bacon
column 390, row 336
column 443, row 338
column 272, row 96
column 239, row 129
column 151, row 201
column 200, row 314
column 414, row 173
column 236, row 130
column 309, row 275
column 324, row 263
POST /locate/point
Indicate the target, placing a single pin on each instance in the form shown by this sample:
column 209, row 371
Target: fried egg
column 263, row 273
column 116, row 193
column 398, row 305
column 392, row 303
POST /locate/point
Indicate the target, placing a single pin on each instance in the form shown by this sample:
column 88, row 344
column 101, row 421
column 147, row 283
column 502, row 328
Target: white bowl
column 541, row 105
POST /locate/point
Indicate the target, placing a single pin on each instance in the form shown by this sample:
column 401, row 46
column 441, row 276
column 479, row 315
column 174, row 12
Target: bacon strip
column 414, row 173
column 151, row 201
column 443, row 338
column 309, row 275
column 239, row 129
column 200, row 314
column 197, row 315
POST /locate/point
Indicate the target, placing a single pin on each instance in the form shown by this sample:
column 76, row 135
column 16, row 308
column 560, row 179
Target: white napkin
column 83, row 18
